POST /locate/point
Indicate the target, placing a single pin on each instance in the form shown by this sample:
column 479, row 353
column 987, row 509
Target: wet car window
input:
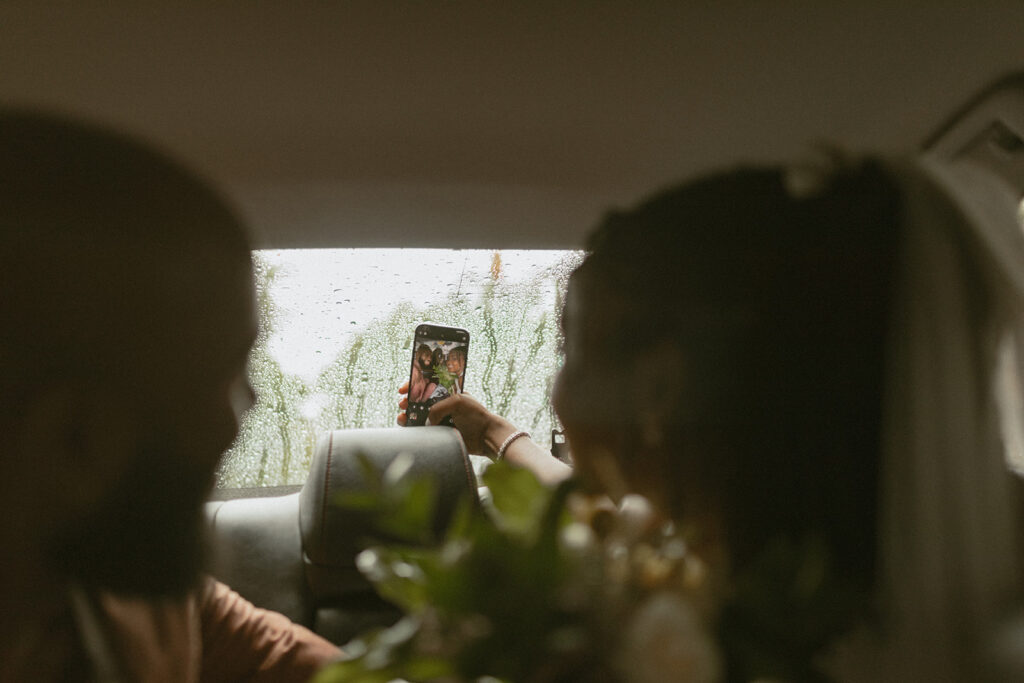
column 336, row 341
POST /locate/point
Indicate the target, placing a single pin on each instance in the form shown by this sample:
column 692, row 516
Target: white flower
column 665, row 640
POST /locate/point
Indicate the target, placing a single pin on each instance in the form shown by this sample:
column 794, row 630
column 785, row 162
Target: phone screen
column 438, row 368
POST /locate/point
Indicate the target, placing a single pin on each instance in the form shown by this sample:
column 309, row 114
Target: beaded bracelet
column 508, row 442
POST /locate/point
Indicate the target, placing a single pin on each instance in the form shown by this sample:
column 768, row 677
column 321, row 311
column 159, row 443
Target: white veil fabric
column 949, row 571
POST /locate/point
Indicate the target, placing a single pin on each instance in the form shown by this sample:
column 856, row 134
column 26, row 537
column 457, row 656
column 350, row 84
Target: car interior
column 495, row 127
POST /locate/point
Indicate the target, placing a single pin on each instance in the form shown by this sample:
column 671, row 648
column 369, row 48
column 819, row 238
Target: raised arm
column 485, row 433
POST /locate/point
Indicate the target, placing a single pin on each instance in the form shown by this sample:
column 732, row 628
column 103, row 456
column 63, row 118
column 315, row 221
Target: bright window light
column 336, row 342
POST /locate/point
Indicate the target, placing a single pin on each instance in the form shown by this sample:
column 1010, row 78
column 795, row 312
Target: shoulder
column 240, row 640
column 153, row 639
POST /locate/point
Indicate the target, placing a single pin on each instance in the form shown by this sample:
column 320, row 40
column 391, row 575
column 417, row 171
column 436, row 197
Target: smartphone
column 438, row 368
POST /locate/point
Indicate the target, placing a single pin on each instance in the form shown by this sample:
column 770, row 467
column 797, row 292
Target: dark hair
column 120, row 270
column 436, row 358
column 95, row 231
column 778, row 306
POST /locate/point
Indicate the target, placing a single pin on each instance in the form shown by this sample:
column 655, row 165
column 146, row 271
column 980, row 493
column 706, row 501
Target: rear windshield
column 336, row 341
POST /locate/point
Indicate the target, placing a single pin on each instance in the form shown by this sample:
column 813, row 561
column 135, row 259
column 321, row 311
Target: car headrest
column 332, row 535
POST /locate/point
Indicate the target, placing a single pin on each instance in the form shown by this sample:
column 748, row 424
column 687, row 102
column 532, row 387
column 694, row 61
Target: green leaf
column 519, row 497
column 358, row 500
column 428, row 669
column 397, row 577
column 466, row 516
column 444, row 376
column 402, row 505
column 371, row 476
column 491, row 595
column 352, row 672
column 409, row 513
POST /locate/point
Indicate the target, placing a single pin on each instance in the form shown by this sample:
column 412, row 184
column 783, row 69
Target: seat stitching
column 327, row 488
column 470, row 476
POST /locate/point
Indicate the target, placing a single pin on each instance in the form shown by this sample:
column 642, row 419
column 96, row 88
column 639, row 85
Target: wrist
column 507, row 443
column 496, row 434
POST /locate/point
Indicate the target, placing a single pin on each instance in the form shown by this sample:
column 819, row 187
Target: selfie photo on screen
column 438, row 368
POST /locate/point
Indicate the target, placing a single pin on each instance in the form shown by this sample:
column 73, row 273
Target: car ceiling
column 497, row 125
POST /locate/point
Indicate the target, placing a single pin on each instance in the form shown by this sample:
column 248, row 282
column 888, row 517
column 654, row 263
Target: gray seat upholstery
column 295, row 554
column 257, row 551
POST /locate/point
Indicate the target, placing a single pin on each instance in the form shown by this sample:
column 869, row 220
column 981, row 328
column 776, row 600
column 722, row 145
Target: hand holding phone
column 438, row 368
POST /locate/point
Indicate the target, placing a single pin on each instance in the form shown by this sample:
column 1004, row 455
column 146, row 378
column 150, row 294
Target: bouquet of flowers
column 445, row 377
column 543, row 585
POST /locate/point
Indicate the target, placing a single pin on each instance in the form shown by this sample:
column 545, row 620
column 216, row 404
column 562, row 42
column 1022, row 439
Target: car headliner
column 496, row 125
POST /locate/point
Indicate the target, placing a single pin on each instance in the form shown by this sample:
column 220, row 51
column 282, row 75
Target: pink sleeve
column 242, row 642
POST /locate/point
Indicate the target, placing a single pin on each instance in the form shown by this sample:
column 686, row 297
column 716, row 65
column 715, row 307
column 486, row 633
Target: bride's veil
column 954, row 417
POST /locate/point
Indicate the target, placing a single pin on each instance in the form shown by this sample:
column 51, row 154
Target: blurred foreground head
column 724, row 357
column 821, row 379
column 730, row 332
column 125, row 324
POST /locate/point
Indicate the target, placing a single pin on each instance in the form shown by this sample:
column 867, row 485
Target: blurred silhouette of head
column 125, row 326
column 724, row 355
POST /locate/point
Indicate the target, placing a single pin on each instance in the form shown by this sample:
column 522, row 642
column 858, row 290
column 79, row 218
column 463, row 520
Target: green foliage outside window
column 513, row 359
